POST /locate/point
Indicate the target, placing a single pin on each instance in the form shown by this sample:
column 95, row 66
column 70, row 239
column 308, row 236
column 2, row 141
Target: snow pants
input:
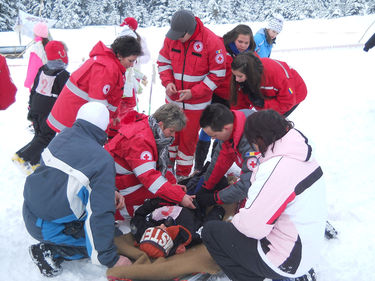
column 43, row 135
column 235, row 253
column 183, row 148
column 69, row 247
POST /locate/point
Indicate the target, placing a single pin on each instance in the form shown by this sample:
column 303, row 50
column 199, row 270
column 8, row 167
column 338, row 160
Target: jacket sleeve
column 216, row 69
column 285, row 98
column 222, row 160
column 8, row 89
column 35, row 63
column 238, row 191
column 165, row 64
column 100, row 210
column 141, row 159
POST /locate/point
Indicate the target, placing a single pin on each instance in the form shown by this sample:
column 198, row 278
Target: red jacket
column 101, row 78
column 198, row 64
column 136, row 155
column 7, row 88
column 282, row 84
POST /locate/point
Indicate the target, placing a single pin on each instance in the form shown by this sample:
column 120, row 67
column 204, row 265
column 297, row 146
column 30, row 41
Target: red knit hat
column 56, row 50
column 131, row 22
column 157, row 242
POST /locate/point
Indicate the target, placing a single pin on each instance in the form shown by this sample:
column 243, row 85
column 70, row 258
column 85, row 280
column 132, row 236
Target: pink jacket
column 37, row 58
column 285, row 208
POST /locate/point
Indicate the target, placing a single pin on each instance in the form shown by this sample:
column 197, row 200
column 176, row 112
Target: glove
column 205, row 198
column 256, row 100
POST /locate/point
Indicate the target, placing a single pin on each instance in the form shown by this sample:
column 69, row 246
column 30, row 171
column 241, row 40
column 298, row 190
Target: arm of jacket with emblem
column 102, row 83
column 216, row 68
column 141, row 159
column 278, row 85
column 238, row 191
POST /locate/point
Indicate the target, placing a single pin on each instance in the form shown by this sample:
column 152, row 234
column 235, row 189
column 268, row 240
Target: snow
column 338, row 116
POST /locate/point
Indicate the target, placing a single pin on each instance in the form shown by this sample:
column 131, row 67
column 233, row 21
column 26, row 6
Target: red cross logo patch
column 219, row 58
column 198, row 46
column 251, row 163
column 146, row 155
column 106, row 89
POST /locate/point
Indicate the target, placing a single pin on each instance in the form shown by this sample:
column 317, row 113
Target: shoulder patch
column 251, row 163
column 106, row 89
column 219, row 58
column 146, row 155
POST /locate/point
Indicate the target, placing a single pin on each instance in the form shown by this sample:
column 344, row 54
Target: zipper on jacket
column 183, row 70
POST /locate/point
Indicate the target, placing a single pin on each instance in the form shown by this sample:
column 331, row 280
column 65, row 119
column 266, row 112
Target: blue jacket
column 76, row 181
column 263, row 48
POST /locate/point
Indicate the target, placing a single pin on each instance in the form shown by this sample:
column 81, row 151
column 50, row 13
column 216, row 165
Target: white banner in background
column 26, row 22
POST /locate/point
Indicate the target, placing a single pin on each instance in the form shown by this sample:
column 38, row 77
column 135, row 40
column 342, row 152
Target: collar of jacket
column 94, row 132
column 238, row 126
column 102, row 50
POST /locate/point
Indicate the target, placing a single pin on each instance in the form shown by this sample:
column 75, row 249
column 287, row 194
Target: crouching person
column 140, row 150
column 69, row 201
column 279, row 232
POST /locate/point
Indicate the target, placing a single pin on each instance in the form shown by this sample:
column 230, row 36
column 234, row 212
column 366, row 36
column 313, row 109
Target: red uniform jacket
column 100, row 78
column 7, row 88
column 136, row 155
column 198, row 64
column 282, row 84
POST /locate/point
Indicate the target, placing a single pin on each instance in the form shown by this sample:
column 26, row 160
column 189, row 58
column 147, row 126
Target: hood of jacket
column 100, row 49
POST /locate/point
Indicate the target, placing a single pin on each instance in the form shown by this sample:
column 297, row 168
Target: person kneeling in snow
column 69, row 201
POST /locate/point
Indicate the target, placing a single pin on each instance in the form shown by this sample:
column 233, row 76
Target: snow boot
column 310, row 276
column 201, row 152
column 330, row 231
column 43, row 258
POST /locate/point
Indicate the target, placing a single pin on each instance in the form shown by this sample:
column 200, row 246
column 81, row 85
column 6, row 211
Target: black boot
column 201, row 152
column 43, row 257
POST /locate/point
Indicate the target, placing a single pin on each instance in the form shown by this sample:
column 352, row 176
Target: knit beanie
column 96, row 113
column 157, row 242
column 276, row 23
column 41, row 30
column 56, row 50
column 183, row 21
column 131, row 22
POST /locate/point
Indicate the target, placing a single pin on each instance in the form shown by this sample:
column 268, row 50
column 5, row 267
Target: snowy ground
column 338, row 115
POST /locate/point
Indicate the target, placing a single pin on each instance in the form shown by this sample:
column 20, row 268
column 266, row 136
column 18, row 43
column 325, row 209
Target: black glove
column 205, row 198
column 256, row 100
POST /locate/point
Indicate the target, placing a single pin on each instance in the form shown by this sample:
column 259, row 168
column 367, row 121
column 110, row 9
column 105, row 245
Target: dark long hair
column 232, row 35
column 265, row 127
column 250, row 65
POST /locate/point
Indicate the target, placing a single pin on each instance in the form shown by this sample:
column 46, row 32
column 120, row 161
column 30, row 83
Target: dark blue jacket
column 76, row 181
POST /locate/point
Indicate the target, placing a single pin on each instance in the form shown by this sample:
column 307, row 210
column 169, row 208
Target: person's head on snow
column 40, row 30
column 94, row 112
column 274, row 25
column 183, row 25
column 56, row 50
column 131, row 23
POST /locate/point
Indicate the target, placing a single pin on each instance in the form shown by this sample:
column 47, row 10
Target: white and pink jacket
column 286, row 208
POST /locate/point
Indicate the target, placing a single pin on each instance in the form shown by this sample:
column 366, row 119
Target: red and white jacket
column 280, row 83
column 137, row 175
column 198, row 64
column 285, row 208
column 101, row 78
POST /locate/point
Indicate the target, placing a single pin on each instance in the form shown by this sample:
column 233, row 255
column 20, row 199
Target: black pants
column 236, row 254
column 286, row 114
column 43, row 135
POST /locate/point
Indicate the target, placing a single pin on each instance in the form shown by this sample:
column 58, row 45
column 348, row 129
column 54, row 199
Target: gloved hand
column 205, row 198
column 256, row 100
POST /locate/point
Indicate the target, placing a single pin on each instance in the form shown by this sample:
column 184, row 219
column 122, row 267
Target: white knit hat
column 96, row 113
column 276, row 23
